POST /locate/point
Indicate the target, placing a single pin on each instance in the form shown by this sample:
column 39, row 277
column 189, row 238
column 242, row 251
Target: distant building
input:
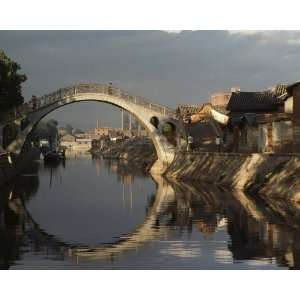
column 108, row 131
column 62, row 131
column 68, row 141
column 102, row 131
column 99, row 131
column 222, row 98
column 82, row 144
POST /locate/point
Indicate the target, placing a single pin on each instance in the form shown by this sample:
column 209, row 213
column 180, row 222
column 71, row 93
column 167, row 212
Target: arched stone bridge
column 152, row 116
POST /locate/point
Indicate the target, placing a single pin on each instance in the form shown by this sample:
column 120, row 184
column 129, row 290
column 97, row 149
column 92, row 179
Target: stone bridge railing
column 71, row 91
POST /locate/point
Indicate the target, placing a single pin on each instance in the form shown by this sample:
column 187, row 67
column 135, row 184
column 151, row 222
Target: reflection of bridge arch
column 140, row 107
column 252, row 236
column 145, row 232
column 165, row 197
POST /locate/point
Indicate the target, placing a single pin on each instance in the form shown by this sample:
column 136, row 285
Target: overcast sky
column 168, row 67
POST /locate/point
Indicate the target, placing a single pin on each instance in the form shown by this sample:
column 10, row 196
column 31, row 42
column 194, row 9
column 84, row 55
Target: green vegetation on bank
column 45, row 130
column 10, row 83
column 69, row 128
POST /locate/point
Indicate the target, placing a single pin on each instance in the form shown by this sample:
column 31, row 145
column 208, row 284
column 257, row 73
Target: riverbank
column 9, row 170
column 136, row 153
column 268, row 175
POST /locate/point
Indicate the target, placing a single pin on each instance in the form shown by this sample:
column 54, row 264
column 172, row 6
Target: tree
column 77, row 131
column 52, row 129
column 45, row 130
column 69, row 128
column 10, row 83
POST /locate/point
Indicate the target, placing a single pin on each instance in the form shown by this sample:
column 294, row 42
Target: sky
column 168, row 67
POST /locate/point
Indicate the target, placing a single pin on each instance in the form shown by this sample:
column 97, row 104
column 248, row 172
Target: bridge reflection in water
column 257, row 236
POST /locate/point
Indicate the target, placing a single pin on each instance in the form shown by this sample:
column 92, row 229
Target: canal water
column 90, row 213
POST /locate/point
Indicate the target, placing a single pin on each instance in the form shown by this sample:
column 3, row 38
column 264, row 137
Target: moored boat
column 54, row 156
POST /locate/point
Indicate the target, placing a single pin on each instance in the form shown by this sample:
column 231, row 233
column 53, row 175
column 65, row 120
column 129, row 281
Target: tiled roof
column 253, row 102
column 280, row 89
column 291, row 86
column 186, row 109
column 277, row 90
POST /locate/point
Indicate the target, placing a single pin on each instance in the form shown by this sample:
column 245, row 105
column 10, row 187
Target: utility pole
column 122, row 118
column 130, row 121
column 139, row 129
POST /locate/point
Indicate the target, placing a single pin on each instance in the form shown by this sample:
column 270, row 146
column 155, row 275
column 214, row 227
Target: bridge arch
column 140, row 107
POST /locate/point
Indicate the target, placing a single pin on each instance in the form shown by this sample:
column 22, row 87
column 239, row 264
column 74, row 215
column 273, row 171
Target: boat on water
column 54, row 156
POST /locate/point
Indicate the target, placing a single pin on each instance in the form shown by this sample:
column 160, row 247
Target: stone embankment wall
column 139, row 153
column 266, row 174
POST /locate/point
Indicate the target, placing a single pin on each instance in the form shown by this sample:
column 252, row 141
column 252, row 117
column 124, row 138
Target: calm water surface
column 96, row 214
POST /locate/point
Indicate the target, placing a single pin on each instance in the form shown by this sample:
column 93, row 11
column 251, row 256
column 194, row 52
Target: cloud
column 295, row 41
column 169, row 67
column 173, row 31
column 270, row 36
column 253, row 32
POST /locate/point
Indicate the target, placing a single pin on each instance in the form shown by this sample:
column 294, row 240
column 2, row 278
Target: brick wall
column 220, row 99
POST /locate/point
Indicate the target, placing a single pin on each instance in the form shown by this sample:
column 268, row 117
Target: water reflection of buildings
column 76, row 154
column 124, row 176
column 177, row 208
column 253, row 235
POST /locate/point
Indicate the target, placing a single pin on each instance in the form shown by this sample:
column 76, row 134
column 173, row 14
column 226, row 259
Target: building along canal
column 94, row 213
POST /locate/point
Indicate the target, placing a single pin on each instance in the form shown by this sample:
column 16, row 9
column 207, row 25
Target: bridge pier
column 158, row 168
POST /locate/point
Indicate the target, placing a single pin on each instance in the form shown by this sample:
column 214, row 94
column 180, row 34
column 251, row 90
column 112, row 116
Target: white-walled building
column 72, row 142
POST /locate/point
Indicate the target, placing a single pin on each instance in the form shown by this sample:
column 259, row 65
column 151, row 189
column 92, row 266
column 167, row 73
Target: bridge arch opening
column 56, row 109
column 154, row 121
